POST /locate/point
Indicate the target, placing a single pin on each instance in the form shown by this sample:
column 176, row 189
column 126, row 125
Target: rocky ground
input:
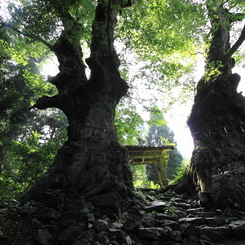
column 161, row 218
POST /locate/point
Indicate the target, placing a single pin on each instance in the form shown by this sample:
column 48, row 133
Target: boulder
column 155, row 234
column 66, row 234
column 44, row 237
column 72, row 215
column 214, row 221
column 103, row 238
column 189, row 229
column 161, row 216
column 238, row 229
column 170, row 223
column 100, row 225
column 215, row 234
column 156, row 206
column 131, row 225
column 48, row 214
column 149, row 220
column 119, row 236
column 194, row 220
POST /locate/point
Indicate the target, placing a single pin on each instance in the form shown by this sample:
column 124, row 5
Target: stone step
column 155, row 234
column 166, row 198
column 214, row 221
column 194, row 211
column 182, row 205
column 161, row 216
column 157, row 206
column 195, row 220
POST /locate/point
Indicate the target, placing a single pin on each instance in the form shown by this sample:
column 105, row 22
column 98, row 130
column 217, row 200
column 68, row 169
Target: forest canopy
column 159, row 42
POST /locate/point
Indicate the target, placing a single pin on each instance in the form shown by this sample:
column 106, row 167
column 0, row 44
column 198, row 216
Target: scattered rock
column 151, row 198
column 166, row 198
column 3, row 239
column 66, row 234
column 214, row 221
column 103, row 238
column 195, row 211
column 195, row 220
column 128, row 240
column 206, row 214
column 44, row 237
column 179, row 213
column 117, row 225
column 119, row 236
column 182, row 205
column 189, row 229
column 86, row 238
column 215, row 234
column 48, row 214
column 72, row 215
column 149, row 220
column 156, row 206
column 161, row 216
column 174, row 222
column 100, row 225
column 79, row 204
column 170, row 223
column 131, row 225
column 155, row 234
column 57, row 202
column 238, row 229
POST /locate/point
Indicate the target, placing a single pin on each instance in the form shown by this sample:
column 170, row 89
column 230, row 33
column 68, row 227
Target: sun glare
column 50, row 67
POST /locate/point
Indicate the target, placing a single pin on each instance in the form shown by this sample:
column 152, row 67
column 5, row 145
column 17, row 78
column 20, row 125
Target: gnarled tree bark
column 91, row 163
column 217, row 122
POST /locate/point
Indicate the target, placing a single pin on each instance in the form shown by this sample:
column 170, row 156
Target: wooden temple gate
column 152, row 155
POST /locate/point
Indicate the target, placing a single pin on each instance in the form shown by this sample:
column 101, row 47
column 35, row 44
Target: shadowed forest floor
column 152, row 217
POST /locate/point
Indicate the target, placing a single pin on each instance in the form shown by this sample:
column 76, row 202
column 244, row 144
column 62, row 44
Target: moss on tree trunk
column 217, row 122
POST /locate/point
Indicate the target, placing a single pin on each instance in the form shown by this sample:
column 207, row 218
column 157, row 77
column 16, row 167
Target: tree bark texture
column 91, row 163
column 217, row 124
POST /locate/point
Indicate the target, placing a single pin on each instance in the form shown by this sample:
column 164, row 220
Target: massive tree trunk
column 91, row 164
column 217, row 122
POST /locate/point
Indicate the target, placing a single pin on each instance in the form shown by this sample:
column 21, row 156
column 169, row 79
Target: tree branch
column 47, row 102
column 236, row 45
column 26, row 34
